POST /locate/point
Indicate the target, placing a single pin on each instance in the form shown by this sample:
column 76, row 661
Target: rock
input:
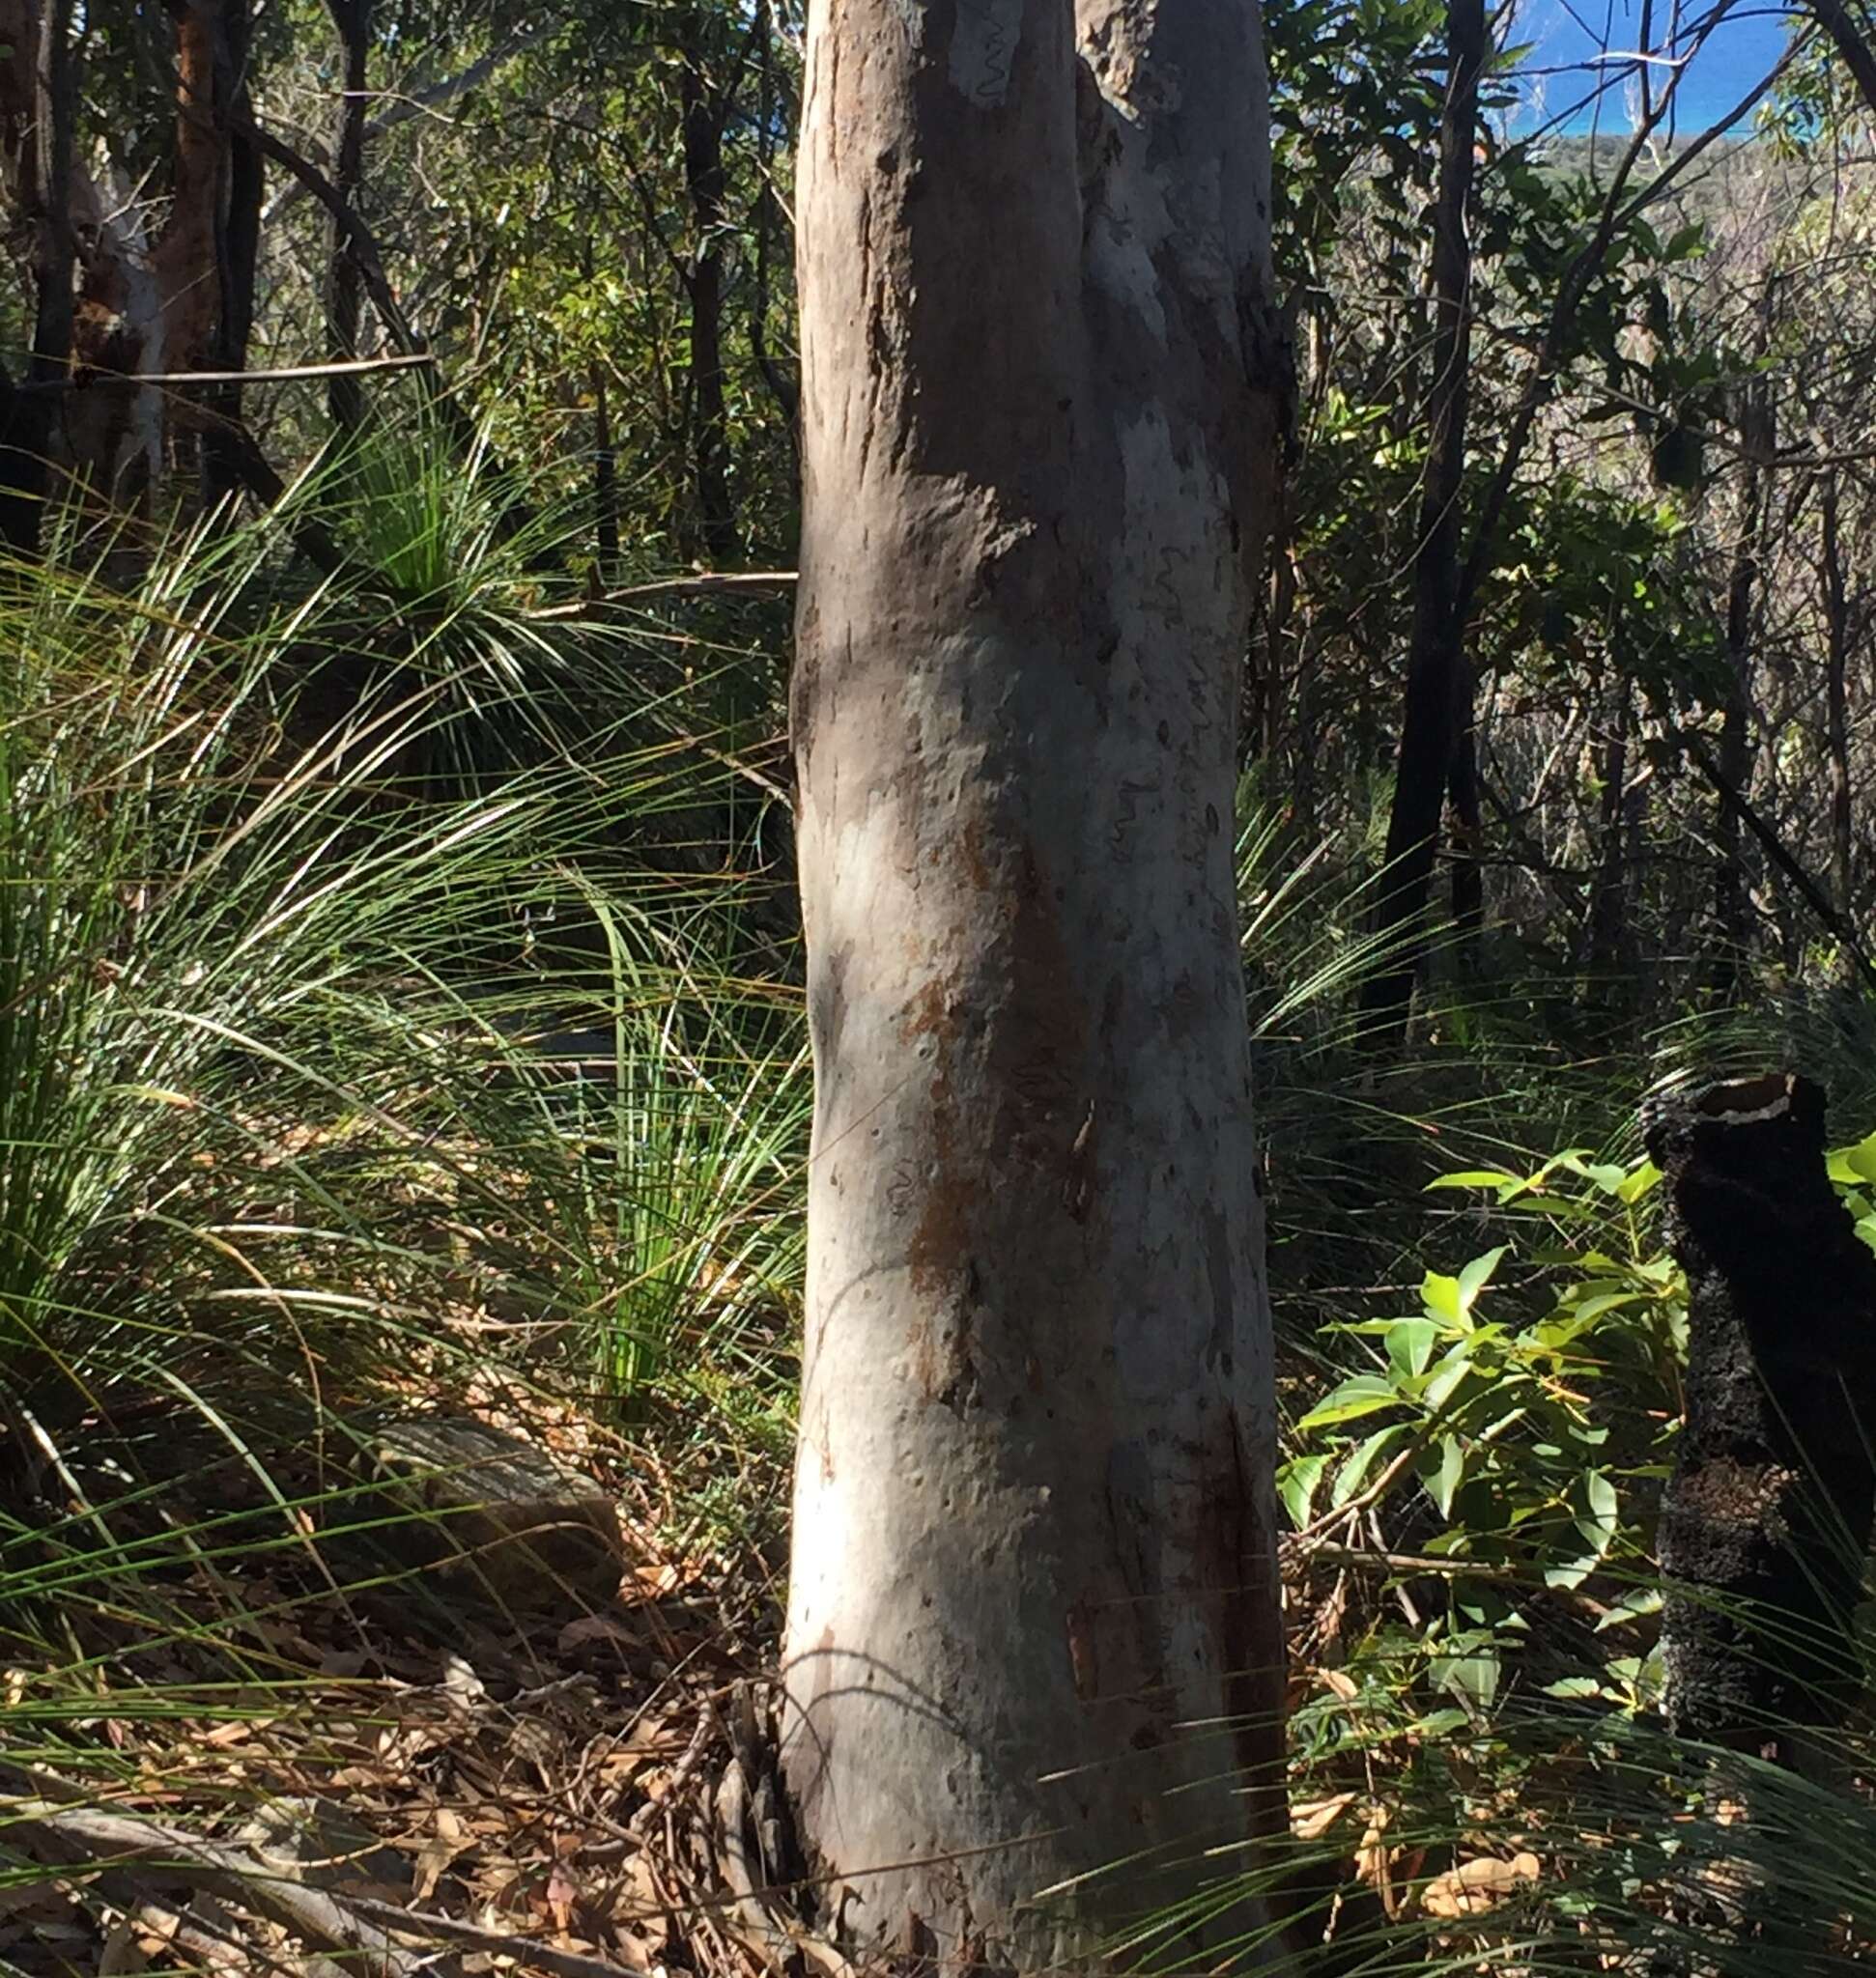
column 494, row 1514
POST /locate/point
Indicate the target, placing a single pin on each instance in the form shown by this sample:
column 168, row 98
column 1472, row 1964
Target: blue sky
column 1567, row 33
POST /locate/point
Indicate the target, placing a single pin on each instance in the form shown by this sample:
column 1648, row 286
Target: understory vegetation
column 400, row 1008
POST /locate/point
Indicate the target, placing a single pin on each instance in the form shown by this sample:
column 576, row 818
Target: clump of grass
column 268, row 1166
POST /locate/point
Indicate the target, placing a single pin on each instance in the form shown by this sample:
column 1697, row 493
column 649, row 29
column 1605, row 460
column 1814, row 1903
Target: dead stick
column 85, row 1837
column 89, row 377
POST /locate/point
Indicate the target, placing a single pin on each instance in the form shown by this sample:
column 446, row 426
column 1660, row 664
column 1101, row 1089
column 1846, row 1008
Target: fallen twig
column 86, row 1837
column 705, row 584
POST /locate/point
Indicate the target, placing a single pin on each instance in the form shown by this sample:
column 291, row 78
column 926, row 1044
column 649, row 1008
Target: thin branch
column 420, row 103
column 1833, row 17
column 93, row 376
column 86, row 1837
column 1814, row 894
column 352, row 230
column 706, row 584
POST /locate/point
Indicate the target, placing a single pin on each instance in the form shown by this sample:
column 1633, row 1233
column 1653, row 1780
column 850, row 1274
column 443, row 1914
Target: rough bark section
column 1766, row 1519
column 1035, row 1532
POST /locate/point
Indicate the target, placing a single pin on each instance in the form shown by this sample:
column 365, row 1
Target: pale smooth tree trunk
column 1033, row 1624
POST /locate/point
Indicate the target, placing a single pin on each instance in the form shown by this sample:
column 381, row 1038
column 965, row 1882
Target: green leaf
column 1354, row 1472
column 1296, row 1483
column 1444, row 1475
column 1410, row 1343
column 1440, row 1294
column 1445, row 1378
column 1477, row 1178
column 1471, row 1678
column 1639, row 1183
column 1851, row 1165
column 1571, row 1687
column 1477, row 1275
column 1636, row 1606
column 1362, row 1394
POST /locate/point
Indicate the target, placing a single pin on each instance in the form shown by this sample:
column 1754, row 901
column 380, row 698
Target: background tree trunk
column 344, row 282
column 1034, row 1582
column 1434, row 719
column 1836, row 658
column 704, row 107
column 1730, row 901
column 238, row 251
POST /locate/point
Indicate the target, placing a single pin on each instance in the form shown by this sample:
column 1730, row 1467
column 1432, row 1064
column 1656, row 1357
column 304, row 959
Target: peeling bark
column 1034, row 1583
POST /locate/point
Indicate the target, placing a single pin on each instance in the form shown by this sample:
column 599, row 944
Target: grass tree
column 1033, row 1626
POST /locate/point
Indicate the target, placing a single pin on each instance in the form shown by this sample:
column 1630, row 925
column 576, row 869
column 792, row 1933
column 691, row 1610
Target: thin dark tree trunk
column 605, row 480
column 769, row 218
column 39, row 135
column 1468, row 837
column 345, row 280
column 57, row 247
column 237, row 252
column 1435, row 656
column 1836, row 618
column 1608, row 903
column 703, row 112
column 1851, row 45
column 20, row 474
column 1757, row 432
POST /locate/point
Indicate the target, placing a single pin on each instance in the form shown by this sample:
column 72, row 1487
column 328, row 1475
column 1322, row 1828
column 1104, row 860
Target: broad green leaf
column 1855, row 1164
column 1410, row 1343
column 1444, row 1475
column 1477, row 1178
column 1571, row 1687
column 1296, row 1483
column 1639, row 1183
column 1353, row 1474
column 1604, row 1504
column 1476, row 1276
column 1634, row 1606
column 1440, row 1294
column 1445, row 1378
column 1362, row 1394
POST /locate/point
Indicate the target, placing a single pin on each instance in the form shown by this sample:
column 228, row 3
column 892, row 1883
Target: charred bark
column 1766, row 1519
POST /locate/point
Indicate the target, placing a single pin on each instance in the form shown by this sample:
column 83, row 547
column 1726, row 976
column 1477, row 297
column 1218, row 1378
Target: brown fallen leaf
column 1475, row 1886
column 1311, row 1818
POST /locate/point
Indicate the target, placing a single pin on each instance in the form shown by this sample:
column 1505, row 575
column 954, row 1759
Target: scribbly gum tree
column 1033, row 1626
